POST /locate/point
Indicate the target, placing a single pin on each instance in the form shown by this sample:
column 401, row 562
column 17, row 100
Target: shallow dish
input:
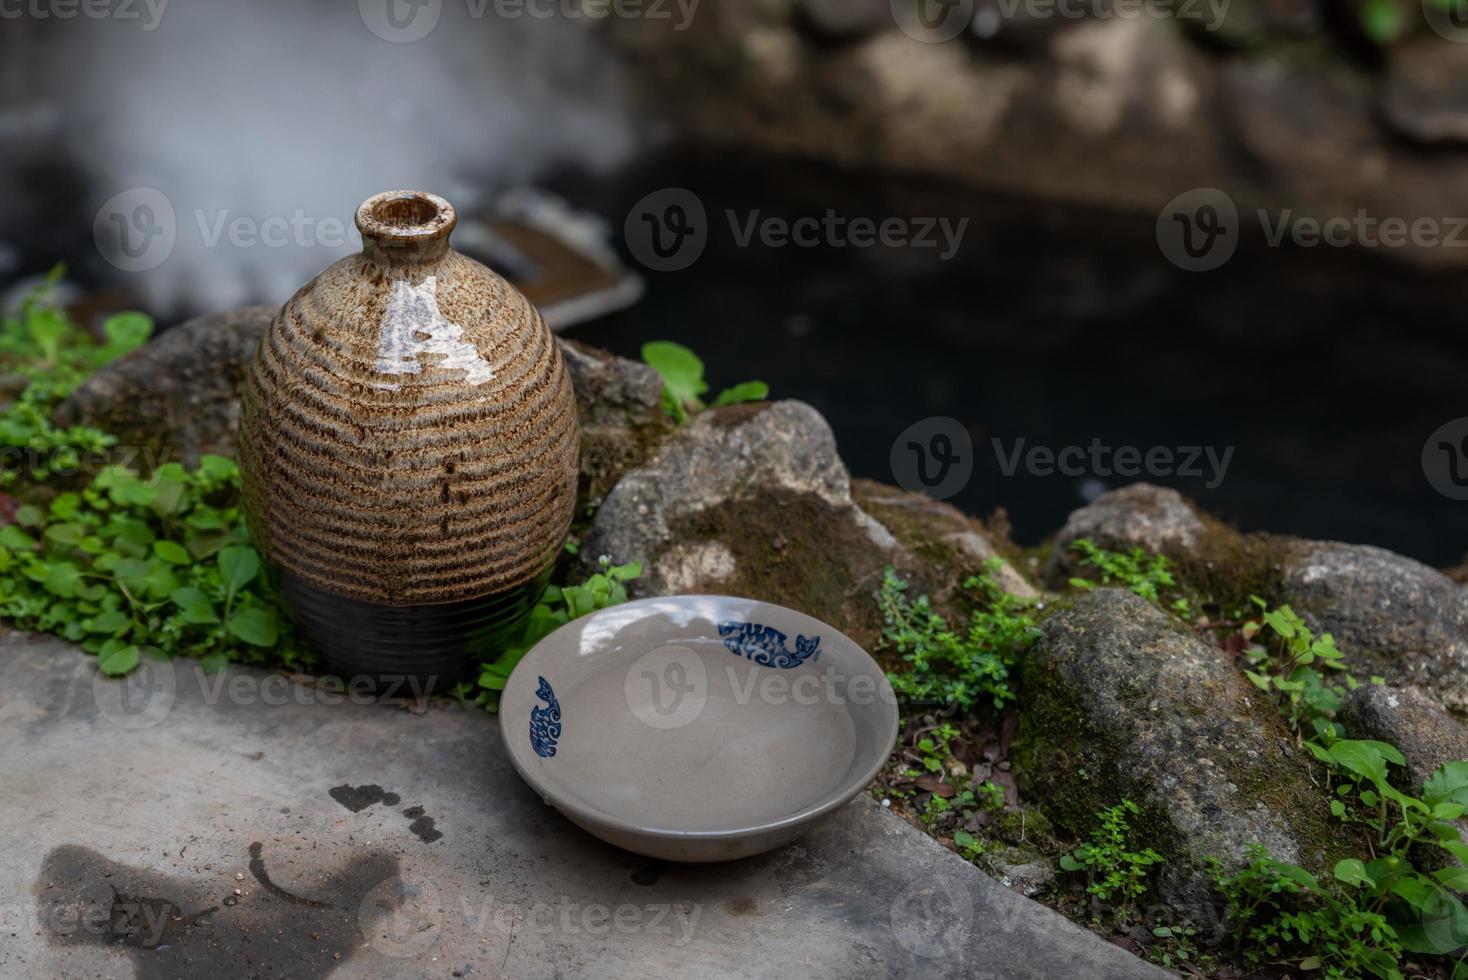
column 697, row 728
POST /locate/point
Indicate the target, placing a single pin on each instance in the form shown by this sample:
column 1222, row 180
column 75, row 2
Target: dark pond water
column 1325, row 370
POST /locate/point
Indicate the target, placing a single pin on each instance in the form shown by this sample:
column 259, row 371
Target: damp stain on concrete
column 649, row 873
column 422, row 825
column 195, row 925
column 359, row 798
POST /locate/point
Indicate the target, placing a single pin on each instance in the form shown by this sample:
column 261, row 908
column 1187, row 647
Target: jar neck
column 405, row 227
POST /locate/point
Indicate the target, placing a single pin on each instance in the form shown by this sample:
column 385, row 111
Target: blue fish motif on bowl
column 765, row 645
column 545, row 723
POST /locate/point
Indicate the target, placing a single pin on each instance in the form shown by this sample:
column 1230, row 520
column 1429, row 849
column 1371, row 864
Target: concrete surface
column 236, row 825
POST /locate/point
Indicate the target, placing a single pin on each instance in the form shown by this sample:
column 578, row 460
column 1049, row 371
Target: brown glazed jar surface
column 409, row 446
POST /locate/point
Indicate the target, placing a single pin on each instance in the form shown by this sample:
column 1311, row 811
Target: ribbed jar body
column 409, row 450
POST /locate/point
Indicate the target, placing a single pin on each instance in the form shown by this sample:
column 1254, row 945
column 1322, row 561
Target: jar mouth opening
column 405, row 217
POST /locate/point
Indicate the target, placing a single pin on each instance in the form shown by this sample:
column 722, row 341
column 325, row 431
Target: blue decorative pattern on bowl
column 545, row 723
column 765, row 645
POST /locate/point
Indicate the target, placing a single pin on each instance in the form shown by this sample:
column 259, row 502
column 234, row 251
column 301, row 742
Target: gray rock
column 1123, row 702
column 751, row 500
column 1424, row 95
column 1391, row 616
column 943, row 535
column 1023, row 872
column 1426, row 734
column 846, row 19
column 177, row 397
column 1155, row 519
column 619, row 404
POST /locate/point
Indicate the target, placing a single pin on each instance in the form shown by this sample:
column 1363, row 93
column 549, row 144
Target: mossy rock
column 753, row 500
column 1124, row 702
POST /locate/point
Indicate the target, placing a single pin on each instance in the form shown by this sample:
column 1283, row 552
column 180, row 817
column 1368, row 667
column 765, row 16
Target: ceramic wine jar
column 409, row 450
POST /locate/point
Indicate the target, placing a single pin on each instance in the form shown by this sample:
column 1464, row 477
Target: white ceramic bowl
column 697, row 728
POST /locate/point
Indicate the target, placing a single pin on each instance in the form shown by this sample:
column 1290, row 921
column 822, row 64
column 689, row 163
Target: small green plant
column 53, row 355
column 126, row 566
column 969, row 846
column 1176, row 947
column 950, row 668
column 1116, row 870
column 1286, row 670
column 1375, row 908
column 1146, row 575
column 557, row 607
column 934, row 746
column 133, row 566
column 683, row 384
column 1370, row 912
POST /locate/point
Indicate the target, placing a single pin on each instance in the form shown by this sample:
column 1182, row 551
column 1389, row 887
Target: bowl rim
column 578, row 811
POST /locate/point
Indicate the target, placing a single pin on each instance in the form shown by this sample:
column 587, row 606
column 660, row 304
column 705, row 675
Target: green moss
column 799, row 551
column 1228, row 567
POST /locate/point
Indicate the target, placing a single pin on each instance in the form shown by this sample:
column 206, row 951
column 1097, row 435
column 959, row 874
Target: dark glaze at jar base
column 409, row 651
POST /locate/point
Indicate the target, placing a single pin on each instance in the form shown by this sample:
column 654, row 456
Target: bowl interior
column 697, row 715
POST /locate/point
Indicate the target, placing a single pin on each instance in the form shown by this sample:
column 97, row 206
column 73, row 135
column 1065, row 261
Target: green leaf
column 1337, row 808
column 1362, row 757
column 1455, row 878
column 1447, row 810
column 46, row 328
column 255, row 626
column 15, row 539
column 172, row 552
column 1260, row 681
column 196, row 607
column 61, row 579
column 111, row 622
column 125, row 332
column 1352, row 872
column 1449, row 784
column 238, row 566
column 217, row 467
column 1383, row 21
column 119, row 661
column 681, row 371
column 745, row 391
column 1311, row 963
column 214, row 662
